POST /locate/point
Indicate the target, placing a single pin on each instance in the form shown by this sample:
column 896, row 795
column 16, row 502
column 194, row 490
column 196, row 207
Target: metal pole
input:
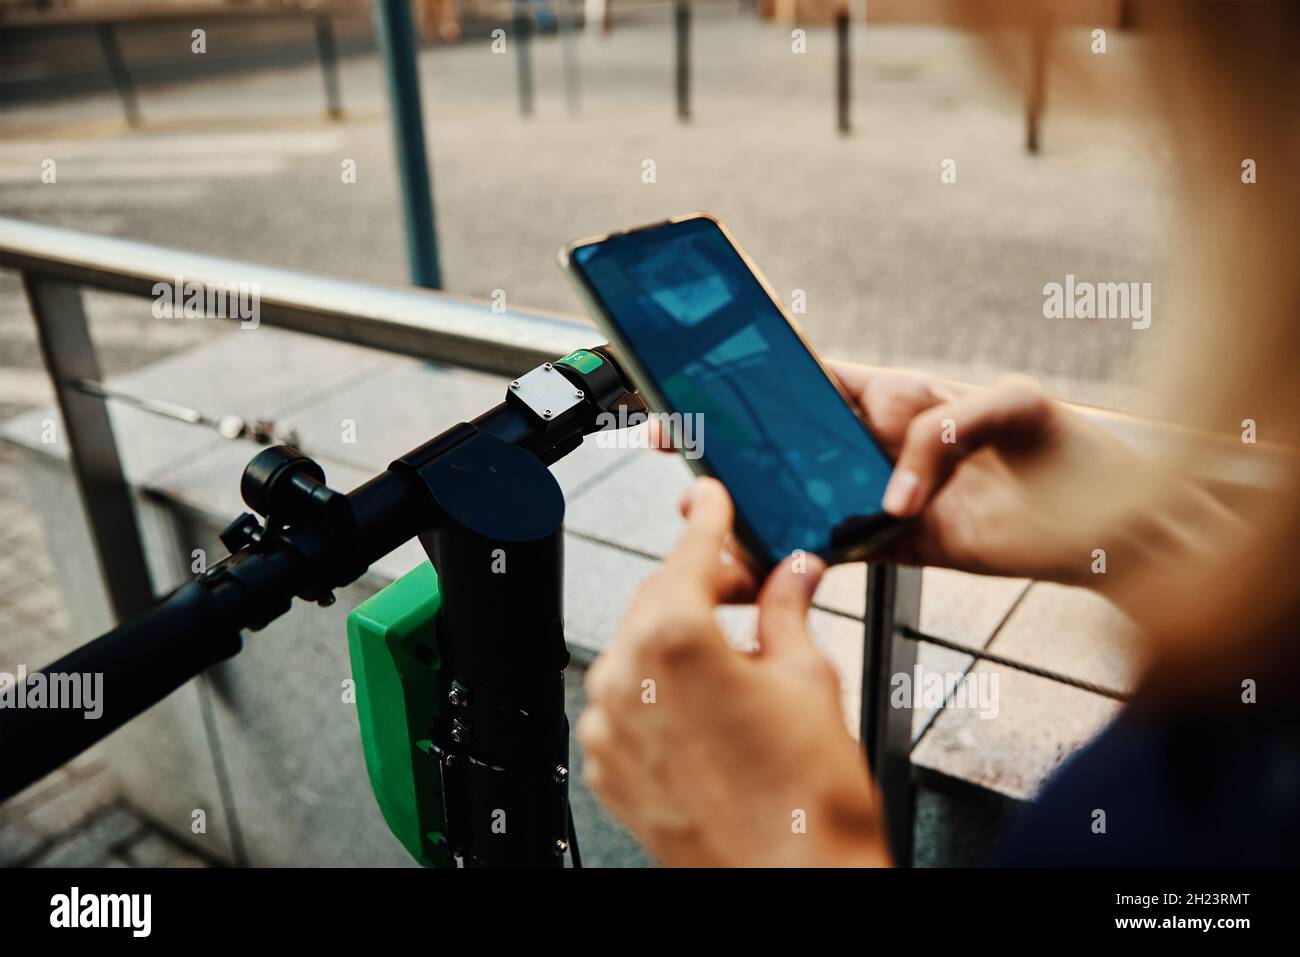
column 842, row 91
column 397, row 39
column 69, row 357
column 523, row 28
column 682, row 19
column 567, row 17
column 121, row 76
column 893, row 604
column 329, row 64
column 1037, row 87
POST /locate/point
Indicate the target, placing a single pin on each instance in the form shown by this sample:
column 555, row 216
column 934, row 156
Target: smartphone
column 708, row 343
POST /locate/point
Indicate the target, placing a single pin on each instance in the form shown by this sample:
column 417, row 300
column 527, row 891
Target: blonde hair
column 1227, row 80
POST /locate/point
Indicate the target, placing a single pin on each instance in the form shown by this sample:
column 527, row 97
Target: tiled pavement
column 73, row 817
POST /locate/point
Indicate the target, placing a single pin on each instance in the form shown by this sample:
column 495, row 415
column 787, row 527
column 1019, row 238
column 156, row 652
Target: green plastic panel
column 399, row 689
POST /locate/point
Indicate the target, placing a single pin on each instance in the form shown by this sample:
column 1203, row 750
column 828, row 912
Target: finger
column 853, row 377
column 593, row 732
column 601, row 729
column 659, row 438
column 708, row 524
column 891, row 398
column 604, row 760
column 1013, row 413
column 601, row 679
column 890, row 405
column 784, row 602
column 860, row 381
column 735, row 581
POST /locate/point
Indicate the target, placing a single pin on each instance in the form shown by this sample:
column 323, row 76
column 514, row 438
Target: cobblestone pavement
column 896, row 266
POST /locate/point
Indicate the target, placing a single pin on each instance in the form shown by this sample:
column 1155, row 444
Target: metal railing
column 109, row 23
column 56, row 264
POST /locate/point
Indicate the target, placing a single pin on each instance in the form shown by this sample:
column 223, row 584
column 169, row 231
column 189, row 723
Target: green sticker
column 583, row 360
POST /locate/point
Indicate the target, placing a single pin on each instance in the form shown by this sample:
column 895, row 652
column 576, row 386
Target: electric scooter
column 459, row 665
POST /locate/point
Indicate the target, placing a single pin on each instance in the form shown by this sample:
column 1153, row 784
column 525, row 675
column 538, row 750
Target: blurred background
column 820, row 133
column 234, row 155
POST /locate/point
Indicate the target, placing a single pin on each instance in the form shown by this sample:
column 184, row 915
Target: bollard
column 117, row 70
column 567, row 24
column 523, row 60
column 1037, row 88
column 682, row 19
column 842, row 71
column 329, row 64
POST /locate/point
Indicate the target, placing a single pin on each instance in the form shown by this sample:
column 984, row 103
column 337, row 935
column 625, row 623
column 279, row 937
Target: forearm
column 1190, row 527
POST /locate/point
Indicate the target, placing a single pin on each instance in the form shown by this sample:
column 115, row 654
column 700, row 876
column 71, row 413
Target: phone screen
column 801, row 467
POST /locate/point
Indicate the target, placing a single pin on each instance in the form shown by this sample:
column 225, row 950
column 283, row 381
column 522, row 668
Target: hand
column 1007, row 481
column 714, row 756
column 987, row 475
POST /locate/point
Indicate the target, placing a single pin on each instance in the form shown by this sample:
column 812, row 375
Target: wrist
column 1189, row 527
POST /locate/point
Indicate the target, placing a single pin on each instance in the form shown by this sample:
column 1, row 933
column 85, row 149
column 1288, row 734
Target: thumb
column 784, row 602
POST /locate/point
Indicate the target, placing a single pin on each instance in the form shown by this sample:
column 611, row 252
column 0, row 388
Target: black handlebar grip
column 135, row 665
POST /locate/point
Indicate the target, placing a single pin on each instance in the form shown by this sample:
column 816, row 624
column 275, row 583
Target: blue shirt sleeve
column 1177, row 793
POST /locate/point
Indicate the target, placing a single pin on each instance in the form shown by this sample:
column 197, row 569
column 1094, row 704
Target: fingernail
column 900, row 491
column 807, row 568
column 812, row 575
column 692, row 491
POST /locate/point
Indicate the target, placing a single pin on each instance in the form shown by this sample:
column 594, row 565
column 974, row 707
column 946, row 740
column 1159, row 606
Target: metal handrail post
column 893, row 604
column 69, row 356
